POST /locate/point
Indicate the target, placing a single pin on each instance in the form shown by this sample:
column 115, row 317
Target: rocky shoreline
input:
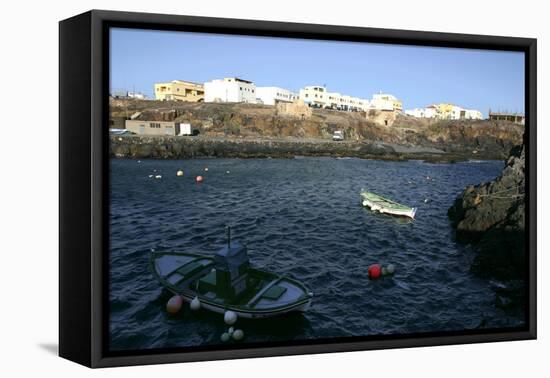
column 491, row 217
column 166, row 147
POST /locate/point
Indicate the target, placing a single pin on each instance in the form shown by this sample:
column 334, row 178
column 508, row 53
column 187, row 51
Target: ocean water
column 303, row 218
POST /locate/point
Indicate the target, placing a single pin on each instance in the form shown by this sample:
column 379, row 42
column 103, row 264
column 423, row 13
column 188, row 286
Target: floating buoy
column 390, row 268
column 374, row 271
column 173, row 306
column 195, row 304
column 225, row 337
column 179, row 173
column 158, row 176
column 238, row 335
column 139, row 161
column 151, row 176
column 199, row 178
column 206, row 169
column 426, row 200
column 384, row 271
column 230, row 331
column 226, row 171
column 229, row 317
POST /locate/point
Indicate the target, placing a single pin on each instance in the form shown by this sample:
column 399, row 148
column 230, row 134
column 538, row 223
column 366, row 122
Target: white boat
column 385, row 206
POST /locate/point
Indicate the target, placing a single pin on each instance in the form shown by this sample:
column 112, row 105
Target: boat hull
column 166, row 267
column 298, row 307
column 383, row 206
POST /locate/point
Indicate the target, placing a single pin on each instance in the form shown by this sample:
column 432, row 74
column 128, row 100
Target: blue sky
column 419, row 76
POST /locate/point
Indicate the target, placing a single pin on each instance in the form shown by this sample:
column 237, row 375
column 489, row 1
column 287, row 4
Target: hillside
column 481, row 139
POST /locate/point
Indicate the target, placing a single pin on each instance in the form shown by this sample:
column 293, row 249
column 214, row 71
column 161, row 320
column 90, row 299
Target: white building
column 137, row 95
column 230, row 89
column 318, row 96
column 473, row 114
column 445, row 111
column 385, row 101
column 418, row 113
column 274, row 95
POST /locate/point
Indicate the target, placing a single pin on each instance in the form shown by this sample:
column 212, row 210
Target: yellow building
column 445, row 110
column 179, row 90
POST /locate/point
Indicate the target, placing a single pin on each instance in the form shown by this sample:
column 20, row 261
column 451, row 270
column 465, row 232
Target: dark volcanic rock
column 166, row 147
column 491, row 216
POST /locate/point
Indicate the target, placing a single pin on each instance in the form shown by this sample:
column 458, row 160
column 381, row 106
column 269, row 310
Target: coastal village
column 381, row 108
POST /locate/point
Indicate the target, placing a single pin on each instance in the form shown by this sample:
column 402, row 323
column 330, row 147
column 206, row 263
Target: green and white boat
column 226, row 282
column 385, row 206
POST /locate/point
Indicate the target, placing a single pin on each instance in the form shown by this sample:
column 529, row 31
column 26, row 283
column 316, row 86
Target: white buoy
column 158, row 176
column 139, row 161
column 225, row 337
column 151, row 176
column 179, row 173
column 206, row 169
column 426, row 200
column 226, row 171
column 238, row 334
column 231, row 330
column 229, row 317
column 384, row 271
column 390, row 269
column 195, row 304
column 173, row 306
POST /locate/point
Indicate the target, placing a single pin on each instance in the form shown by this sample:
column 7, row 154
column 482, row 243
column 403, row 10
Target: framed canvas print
column 234, row 188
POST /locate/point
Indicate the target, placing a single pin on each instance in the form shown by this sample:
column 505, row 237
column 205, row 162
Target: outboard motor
column 231, row 264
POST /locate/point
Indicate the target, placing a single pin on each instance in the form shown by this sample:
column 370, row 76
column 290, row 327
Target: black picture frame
column 84, row 195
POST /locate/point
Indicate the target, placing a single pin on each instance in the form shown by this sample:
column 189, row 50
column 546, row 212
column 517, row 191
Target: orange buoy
column 199, row 178
column 374, row 271
column 173, row 306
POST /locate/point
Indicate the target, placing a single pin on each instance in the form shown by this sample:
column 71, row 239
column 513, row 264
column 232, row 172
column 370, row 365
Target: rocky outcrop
column 491, row 216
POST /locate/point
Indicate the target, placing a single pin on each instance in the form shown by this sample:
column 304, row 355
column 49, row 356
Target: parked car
column 338, row 135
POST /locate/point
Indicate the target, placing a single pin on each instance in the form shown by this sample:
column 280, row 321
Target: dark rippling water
column 299, row 217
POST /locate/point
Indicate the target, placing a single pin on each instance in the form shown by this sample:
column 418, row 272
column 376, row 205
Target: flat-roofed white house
column 445, row 111
column 386, row 101
column 473, row 114
column 427, row 112
column 314, row 95
column 230, row 89
column 318, row 96
column 275, row 95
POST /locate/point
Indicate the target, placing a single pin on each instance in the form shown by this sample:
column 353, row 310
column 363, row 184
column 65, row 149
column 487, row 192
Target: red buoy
column 374, row 271
column 199, row 178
